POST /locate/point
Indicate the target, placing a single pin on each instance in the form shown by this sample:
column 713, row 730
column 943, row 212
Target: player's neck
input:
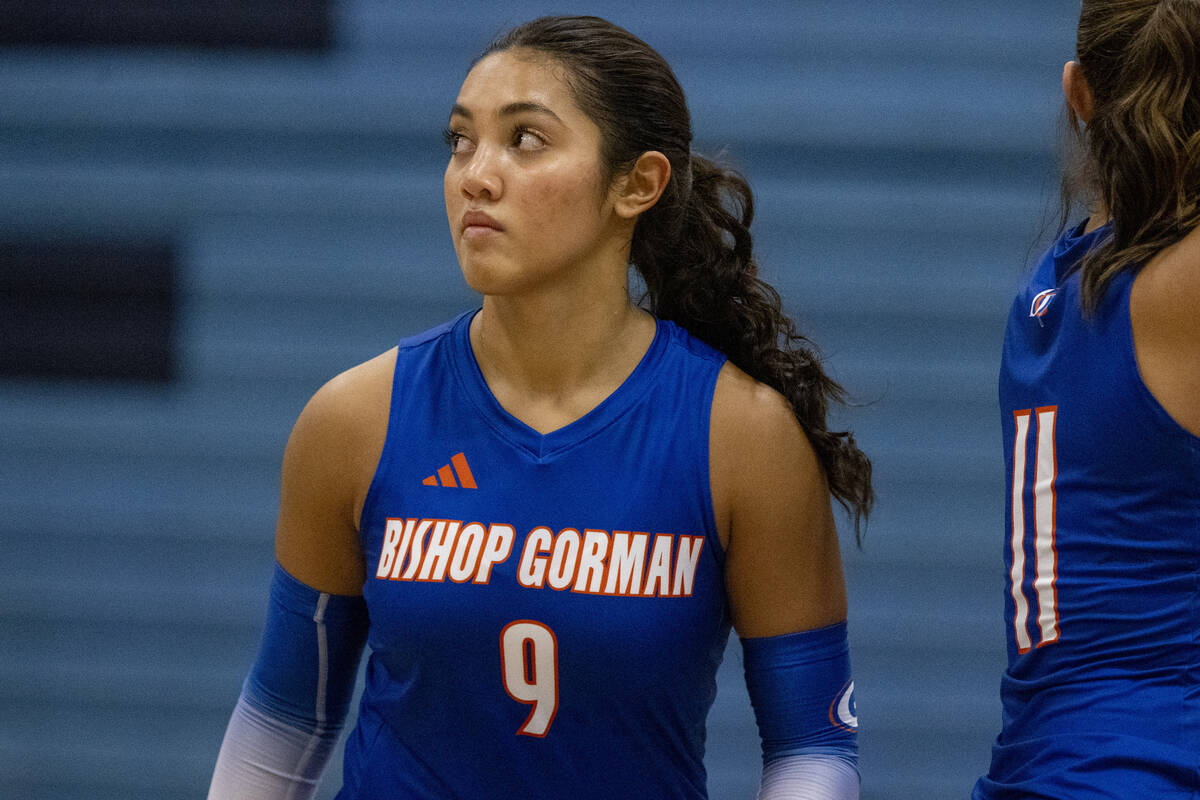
column 548, row 360
column 1099, row 216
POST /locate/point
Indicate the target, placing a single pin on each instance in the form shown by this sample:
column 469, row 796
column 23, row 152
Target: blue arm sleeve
column 294, row 701
column 304, row 672
column 802, row 693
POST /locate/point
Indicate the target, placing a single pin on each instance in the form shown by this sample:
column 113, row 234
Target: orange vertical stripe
column 464, row 471
column 447, row 476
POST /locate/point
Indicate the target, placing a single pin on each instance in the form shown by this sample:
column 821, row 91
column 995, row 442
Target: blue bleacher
column 903, row 160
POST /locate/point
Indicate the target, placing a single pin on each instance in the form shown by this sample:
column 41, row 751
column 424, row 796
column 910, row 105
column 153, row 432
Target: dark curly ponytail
column 693, row 248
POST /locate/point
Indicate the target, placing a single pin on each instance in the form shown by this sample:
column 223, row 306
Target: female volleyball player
column 1100, row 403
column 543, row 515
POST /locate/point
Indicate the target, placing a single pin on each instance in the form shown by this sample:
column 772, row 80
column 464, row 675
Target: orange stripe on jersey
column 430, row 481
column 464, row 471
column 447, row 476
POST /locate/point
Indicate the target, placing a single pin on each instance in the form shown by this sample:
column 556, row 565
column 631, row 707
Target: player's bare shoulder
column 327, row 469
column 755, row 441
column 351, row 409
column 752, row 421
column 336, row 442
column 1166, row 328
column 782, row 568
column 358, row 398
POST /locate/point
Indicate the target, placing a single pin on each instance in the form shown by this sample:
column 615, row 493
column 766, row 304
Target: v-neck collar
column 542, row 446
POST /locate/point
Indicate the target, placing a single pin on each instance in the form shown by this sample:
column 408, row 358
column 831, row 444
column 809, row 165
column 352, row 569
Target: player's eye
column 525, row 139
column 455, row 141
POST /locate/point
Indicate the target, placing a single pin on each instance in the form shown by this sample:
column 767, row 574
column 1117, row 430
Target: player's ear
column 639, row 189
column 1076, row 90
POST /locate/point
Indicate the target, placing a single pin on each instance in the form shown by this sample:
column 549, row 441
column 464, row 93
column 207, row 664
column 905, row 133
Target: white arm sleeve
column 812, row 776
column 262, row 758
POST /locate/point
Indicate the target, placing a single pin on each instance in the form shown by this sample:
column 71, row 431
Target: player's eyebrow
column 520, row 107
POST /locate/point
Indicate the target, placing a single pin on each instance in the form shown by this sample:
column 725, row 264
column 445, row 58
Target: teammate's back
column 1103, row 524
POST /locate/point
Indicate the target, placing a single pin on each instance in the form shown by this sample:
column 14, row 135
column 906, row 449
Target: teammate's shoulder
column 1166, row 328
column 1172, row 277
column 1166, row 294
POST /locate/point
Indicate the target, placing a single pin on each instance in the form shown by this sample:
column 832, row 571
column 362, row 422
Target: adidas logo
column 456, row 473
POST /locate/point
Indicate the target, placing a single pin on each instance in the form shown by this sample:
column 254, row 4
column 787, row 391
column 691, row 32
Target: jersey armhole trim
column 385, row 457
column 705, row 438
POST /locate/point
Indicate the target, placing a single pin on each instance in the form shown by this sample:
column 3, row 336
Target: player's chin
column 491, row 276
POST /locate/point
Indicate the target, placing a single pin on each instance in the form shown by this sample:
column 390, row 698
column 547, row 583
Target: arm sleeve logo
column 843, row 711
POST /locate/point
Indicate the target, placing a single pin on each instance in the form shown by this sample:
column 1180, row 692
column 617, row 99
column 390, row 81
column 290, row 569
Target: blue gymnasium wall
column 902, row 158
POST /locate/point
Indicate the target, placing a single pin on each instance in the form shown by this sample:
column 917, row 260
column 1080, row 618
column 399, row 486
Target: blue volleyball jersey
column 1101, row 698
column 547, row 612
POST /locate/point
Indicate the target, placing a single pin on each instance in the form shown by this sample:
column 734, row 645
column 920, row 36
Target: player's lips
column 477, row 223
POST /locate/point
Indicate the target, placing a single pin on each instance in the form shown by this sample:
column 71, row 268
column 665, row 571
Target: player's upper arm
column 1166, row 329
column 783, row 568
column 327, row 468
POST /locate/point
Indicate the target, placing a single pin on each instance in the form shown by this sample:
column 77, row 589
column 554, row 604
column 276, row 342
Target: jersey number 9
column 529, row 663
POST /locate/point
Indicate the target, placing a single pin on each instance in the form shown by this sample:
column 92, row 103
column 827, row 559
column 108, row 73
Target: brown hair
column 693, row 248
column 1142, row 143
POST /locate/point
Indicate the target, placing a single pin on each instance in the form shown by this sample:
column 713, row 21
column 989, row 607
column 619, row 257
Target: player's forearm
column 263, row 758
column 816, row 776
column 295, row 699
column 803, row 696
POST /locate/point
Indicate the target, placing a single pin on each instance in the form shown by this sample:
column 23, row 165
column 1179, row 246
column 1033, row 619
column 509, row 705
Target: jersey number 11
column 1044, row 472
